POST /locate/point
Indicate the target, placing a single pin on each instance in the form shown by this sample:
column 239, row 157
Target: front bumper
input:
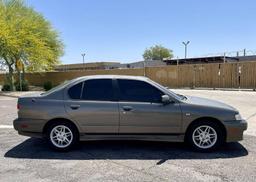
column 235, row 130
column 29, row 127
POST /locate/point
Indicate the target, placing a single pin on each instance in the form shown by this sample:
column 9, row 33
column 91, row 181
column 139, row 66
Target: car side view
column 112, row 107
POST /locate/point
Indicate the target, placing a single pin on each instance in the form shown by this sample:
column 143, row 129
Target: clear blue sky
column 119, row 30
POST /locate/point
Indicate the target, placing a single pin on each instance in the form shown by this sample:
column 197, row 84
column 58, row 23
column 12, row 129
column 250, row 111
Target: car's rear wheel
column 205, row 136
column 62, row 136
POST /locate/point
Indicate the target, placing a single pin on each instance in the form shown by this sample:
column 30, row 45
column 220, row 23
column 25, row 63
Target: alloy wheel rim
column 204, row 136
column 61, row 136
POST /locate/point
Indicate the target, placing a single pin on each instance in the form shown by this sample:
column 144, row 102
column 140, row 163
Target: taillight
column 18, row 106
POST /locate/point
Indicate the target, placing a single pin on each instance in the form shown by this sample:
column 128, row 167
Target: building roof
column 194, row 60
column 87, row 66
column 92, row 64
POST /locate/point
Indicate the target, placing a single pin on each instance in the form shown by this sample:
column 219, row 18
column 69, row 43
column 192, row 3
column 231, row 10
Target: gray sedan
column 125, row 108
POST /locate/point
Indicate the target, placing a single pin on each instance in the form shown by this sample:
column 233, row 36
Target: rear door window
column 98, row 90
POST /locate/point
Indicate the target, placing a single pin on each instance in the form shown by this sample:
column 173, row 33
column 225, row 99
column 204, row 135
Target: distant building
column 87, row 66
column 140, row 64
column 107, row 65
column 210, row 59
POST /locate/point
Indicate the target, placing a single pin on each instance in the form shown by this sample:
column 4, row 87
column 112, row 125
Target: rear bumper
column 235, row 130
column 29, row 127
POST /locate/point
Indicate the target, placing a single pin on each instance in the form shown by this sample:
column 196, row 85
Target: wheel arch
column 212, row 119
column 51, row 121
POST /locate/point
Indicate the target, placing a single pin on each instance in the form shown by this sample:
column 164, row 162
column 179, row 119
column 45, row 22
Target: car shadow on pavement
column 114, row 150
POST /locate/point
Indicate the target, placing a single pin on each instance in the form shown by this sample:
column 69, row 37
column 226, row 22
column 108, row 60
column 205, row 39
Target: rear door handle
column 74, row 106
column 127, row 108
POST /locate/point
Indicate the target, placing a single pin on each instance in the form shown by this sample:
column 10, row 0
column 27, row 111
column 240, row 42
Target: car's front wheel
column 205, row 136
column 62, row 136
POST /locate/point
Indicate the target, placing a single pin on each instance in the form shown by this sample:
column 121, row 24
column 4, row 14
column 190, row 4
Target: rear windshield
column 58, row 87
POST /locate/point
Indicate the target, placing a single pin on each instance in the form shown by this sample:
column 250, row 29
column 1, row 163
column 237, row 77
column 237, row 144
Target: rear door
column 92, row 104
column 142, row 112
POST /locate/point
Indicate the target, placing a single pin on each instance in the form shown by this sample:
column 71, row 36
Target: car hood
column 208, row 102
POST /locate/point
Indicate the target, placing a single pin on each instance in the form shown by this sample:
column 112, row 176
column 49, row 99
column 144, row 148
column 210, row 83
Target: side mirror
column 166, row 99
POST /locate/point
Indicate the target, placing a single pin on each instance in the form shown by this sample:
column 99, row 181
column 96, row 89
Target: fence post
column 239, row 76
column 194, row 77
column 145, row 71
column 177, row 74
column 219, row 78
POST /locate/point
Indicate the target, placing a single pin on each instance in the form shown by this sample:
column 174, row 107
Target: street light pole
column 186, row 44
column 83, row 60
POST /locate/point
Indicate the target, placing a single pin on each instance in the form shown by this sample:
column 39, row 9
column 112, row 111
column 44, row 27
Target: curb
column 215, row 89
column 185, row 88
column 17, row 94
column 6, row 95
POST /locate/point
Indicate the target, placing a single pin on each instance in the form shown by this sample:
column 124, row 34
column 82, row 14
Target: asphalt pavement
column 28, row 159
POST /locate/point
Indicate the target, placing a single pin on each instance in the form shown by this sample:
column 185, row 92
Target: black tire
column 211, row 147
column 69, row 128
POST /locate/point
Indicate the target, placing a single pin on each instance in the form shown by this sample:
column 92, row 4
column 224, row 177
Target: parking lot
column 27, row 159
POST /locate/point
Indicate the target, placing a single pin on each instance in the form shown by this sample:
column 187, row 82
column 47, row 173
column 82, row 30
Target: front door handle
column 74, row 106
column 127, row 108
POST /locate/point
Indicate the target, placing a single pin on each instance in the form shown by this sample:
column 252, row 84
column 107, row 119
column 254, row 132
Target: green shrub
column 7, row 84
column 24, row 85
column 47, row 85
column 6, row 87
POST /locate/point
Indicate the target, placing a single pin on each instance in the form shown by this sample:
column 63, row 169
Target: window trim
column 119, row 91
column 82, row 89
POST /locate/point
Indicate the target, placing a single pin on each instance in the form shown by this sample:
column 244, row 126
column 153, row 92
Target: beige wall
column 2, row 76
column 198, row 75
column 59, row 77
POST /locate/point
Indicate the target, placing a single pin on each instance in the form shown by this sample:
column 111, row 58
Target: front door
column 93, row 106
column 142, row 112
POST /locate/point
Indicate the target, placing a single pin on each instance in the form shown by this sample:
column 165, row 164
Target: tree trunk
column 18, row 79
column 10, row 77
column 23, row 73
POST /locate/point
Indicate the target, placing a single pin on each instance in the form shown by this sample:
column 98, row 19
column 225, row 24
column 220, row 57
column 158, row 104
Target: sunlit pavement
column 26, row 159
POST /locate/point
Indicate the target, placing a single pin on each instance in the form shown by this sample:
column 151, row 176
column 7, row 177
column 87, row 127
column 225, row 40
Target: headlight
column 238, row 117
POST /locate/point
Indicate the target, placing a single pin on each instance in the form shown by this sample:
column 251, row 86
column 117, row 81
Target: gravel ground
column 27, row 159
